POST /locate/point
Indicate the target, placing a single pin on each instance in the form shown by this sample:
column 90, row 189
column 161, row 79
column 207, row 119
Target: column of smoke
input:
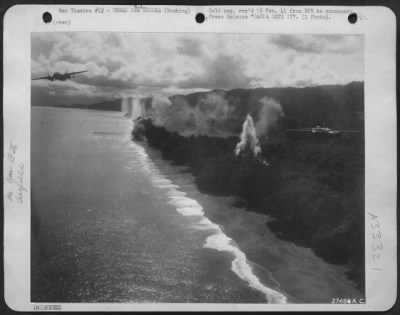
column 171, row 115
column 268, row 115
column 132, row 107
column 204, row 118
column 125, row 107
column 248, row 138
column 210, row 113
column 208, row 117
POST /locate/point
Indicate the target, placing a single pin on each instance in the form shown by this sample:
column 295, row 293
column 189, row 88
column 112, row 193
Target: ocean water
column 112, row 222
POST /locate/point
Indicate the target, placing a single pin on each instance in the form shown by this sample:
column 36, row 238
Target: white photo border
column 377, row 24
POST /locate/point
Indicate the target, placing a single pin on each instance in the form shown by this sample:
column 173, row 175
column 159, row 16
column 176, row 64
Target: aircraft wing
column 73, row 73
column 300, row 130
column 41, row 78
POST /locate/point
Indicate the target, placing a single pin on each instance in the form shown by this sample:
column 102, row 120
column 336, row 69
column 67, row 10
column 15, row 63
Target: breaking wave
column 218, row 240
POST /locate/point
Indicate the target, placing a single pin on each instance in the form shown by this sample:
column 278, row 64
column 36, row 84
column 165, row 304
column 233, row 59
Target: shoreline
column 185, row 191
column 314, row 189
column 290, row 269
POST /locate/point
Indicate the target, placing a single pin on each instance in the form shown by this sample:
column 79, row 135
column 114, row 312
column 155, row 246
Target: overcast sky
column 148, row 64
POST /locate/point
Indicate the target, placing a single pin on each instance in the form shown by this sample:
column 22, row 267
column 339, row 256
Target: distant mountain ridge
column 335, row 106
column 114, row 105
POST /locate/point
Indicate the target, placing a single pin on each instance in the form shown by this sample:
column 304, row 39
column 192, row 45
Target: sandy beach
column 296, row 271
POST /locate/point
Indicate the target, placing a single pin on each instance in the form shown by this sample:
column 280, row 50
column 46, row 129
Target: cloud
column 223, row 72
column 41, row 46
column 168, row 63
column 189, row 47
column 316, row 44
column 295, row 43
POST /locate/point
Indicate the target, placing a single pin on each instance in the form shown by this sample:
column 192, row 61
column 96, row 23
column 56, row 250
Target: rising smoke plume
column 269, row 113
column 132, row 107
column 205, row 117
column 213, row 113
column 125, row 107
column 248, row 139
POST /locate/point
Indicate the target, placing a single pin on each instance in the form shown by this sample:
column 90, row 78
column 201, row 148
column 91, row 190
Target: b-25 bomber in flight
column 57, row 76
column 323, row 130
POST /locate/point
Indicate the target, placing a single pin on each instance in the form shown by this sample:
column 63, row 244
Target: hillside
column 336, row 106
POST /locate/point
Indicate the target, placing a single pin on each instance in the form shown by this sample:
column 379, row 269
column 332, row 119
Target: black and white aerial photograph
column 197, row 168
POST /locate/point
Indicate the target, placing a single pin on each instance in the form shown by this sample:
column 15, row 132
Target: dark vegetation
column 313, row 186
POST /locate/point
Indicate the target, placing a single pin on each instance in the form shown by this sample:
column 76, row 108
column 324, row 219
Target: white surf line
column 218, row 241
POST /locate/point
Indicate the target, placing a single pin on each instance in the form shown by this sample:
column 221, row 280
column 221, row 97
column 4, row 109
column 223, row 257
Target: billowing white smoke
column 248, row 139
column 137, row 108
column 159, row 110
column 176, row 114
column 268, row 115
column 132, row 107
column 270, row 112
column 125, row 108
column 213, row 114
column 173, row 115
column 210, row 113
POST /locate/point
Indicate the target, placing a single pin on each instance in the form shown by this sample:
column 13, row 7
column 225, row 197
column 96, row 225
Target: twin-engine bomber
column 57, row 76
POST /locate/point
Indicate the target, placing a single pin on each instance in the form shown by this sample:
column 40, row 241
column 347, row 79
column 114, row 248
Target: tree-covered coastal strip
column 313, row 187
column 311, row 184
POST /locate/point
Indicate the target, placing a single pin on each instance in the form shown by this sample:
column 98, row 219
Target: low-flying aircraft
column 323, row 130
column 57, row 76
